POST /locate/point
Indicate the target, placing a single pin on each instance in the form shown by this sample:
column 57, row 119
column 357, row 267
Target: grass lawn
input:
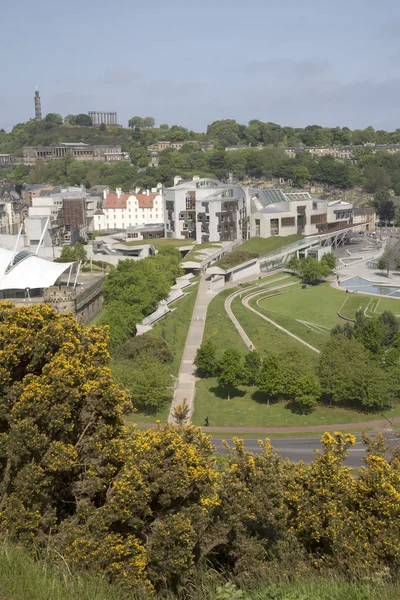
column 266, row 337
column 318, row 305
column 194, row 253
column 262, row 246
column 229, row 435
column 161, row 243
column 250, row 410
column 219, row 328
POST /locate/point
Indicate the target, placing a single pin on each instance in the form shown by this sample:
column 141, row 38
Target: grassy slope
column 22, row 578
column 193, row 255
column 262, row 246
column 173, row 329
column 160, row 243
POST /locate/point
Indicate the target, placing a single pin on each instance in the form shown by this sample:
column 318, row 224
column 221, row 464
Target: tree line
column 156, row 510
column 374, row 171
column 358, row 368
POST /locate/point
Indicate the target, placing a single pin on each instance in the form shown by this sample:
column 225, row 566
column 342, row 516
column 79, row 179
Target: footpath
column 380, row 425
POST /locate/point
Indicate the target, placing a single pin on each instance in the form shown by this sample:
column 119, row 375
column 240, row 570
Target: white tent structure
column 24, row 270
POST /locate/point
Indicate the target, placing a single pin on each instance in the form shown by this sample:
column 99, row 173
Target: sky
column 191, row 62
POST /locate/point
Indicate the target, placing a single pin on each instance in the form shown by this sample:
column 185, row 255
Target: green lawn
column 161, row 243
column 193, row 254
column 247, row 411
column 317, row 305
column 219, row 328
column 262, row 246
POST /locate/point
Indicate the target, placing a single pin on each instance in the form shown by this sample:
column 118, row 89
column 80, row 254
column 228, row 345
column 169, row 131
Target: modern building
column 122, row 211
column 12, row 209
column 210, row 211
column 365, row 216
column 78, row 150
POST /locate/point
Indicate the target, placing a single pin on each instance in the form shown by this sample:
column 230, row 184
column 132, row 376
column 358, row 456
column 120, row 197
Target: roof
column 146, row 201
column 112, row 201
column 363, row 211
column 26, row 270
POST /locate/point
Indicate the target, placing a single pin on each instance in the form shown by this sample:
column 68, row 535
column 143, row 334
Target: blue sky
column 190, row 63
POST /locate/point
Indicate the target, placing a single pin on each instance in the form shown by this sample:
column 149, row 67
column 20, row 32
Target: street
column 302, row 448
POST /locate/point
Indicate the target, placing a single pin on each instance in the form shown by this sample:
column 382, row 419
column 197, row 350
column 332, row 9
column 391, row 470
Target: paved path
column 382, row 424
column 186, row 385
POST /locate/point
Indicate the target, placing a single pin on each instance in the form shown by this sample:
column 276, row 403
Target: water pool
column 359, row 284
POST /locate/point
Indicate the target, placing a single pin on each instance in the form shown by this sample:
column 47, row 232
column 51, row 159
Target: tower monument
column 38, row 106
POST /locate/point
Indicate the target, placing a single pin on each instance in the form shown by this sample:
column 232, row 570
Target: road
column 302, row 448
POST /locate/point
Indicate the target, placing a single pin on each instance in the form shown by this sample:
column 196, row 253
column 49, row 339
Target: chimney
column 147, row 192
column 196, row 177
column 177, row 179
column 137, row 190
column 118, row 192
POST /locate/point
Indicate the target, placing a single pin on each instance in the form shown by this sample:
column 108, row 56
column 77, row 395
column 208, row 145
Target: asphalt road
column 302, row 448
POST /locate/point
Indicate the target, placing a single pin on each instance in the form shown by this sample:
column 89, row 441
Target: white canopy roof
column 26, row 270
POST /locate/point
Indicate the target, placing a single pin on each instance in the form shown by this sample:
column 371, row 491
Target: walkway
column 186, row 385
column 382, row 424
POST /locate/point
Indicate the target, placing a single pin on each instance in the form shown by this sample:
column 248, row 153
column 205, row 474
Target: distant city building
column 343, row 152
column 103, row 118
column 122, row 211
column 210, row 211
column 38, row 106
column 78, row 150
column 164, row 145
column 12, row 209
column 7, row 160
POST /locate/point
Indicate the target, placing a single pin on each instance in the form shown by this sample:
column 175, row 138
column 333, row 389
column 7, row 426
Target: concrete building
column 120, row 211
column 365, row 216
column 78, row 150
column 341, row 152
column 12, row 209
column 210, row 211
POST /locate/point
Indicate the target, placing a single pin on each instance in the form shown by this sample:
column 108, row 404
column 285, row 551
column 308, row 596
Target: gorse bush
column 151, row 510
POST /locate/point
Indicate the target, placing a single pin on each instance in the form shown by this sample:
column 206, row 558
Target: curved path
column 229, row 299
column 245, row 302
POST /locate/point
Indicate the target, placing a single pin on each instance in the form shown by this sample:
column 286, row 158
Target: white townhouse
column 120, row 211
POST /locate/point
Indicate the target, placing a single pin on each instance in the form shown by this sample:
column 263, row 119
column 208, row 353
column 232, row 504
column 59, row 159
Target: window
column 288, row 222
column 317, row 219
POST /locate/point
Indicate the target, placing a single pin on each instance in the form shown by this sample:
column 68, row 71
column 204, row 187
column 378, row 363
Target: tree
column 301, row 175
column 61, row 411
column 312, row 270
column 230, row 371
column 136, row 122
column 308, row 391
column 387, row 211
column 271, row 379
column 387, row 261
column 83, row 120
column 148, row 380
column 252, row 365
column 53, row 119
column 102, row 127
column 181, row 413
column 206, row 360
column 349, row 376
column 293, row 264
column 329, row 260
column 149, row 122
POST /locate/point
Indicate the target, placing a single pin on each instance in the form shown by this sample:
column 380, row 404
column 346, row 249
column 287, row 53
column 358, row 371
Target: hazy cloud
column 119, row 76
column 286, row 67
